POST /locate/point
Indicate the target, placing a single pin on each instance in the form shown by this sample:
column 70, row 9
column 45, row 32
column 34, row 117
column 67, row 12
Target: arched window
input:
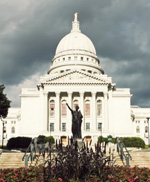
column 99, row 107
column 137, row 129
column 87, row 108
column 13, row 130
column 146, row 129
column 63, row 108
column 75, row 103
column 52, row 108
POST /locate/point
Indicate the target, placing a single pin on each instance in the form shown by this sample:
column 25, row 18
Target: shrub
column 45, row 139
column 18, row 142
column 133, row 142
column 105, row 139
column 49, row 138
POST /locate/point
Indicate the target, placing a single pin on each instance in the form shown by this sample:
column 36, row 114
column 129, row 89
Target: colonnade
column 81, row 100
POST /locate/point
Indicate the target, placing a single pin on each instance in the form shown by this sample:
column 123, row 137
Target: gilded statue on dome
column 76, row 17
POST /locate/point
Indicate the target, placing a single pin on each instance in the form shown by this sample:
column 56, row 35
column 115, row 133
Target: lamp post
column 101, row 129
column 101, row 132
column 148, row 131
column 3, row 130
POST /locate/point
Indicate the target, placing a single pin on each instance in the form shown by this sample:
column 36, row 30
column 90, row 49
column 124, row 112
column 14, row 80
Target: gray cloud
column 120, row 31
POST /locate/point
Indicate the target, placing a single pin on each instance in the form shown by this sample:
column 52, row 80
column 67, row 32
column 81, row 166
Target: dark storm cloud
column 120, row 31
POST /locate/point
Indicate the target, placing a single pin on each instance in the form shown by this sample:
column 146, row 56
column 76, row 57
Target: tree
column 4, row 102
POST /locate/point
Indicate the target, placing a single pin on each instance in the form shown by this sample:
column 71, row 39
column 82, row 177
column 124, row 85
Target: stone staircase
column 14, row 160
column 140, row 158
column 11, row 160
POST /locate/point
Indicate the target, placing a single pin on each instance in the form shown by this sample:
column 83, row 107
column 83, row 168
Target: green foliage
column 133, row 142
column 105, row 139
column 45, row 139
column 18, row 142
column 146, row 146
column 128, row 141
column 4, row 102
column 49, row 138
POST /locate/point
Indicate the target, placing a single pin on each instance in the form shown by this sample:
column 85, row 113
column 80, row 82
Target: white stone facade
column 76, row 77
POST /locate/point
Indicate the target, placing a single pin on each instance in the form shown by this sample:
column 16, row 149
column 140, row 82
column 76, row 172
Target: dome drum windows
column 75, row 58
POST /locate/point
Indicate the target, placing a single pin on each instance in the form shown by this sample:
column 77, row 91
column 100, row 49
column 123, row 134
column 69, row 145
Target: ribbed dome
column 75, row 51
column 75, row 41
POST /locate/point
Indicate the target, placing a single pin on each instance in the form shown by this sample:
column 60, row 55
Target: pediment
column 76, row 77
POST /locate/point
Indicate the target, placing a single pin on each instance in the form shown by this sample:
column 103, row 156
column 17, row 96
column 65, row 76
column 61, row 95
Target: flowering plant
column 35, row 174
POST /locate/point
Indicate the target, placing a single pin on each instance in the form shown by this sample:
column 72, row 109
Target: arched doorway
column 63, row 139
column 88, row 138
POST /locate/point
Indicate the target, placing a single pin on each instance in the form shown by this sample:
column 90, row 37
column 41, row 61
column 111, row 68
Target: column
column 105, row 113
column 45, row 113
column 82, row 110
column 110, row 111
column 69, row 115
column 57, row 113
column 94, row 121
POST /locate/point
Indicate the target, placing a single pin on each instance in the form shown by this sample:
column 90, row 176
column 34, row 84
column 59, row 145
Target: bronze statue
column 76, row 122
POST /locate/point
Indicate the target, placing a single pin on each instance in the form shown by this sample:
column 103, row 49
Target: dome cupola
column 75, row 50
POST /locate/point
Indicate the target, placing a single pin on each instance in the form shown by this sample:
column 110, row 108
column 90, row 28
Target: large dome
column 75, row 51
column 75, row 41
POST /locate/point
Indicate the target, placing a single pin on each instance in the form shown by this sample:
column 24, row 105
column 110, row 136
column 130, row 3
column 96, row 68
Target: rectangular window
column 52, row 109
column 87, row 109
column 87, row 126
column 99, row 126
column 63, row 126
column 64, row 110
column 99, row 107
column 51, row 126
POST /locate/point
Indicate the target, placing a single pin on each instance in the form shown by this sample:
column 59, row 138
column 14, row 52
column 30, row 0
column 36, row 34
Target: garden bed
column 38, row 174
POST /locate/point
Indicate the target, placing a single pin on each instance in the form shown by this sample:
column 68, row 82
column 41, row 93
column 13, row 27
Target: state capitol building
column 77, row 78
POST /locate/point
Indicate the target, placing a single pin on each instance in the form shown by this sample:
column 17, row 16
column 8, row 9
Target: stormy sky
column 30, row 31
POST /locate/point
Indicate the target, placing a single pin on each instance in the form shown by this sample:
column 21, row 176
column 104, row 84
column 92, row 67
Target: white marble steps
column 14, row 160
column 11, row 160
column 139, row 158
